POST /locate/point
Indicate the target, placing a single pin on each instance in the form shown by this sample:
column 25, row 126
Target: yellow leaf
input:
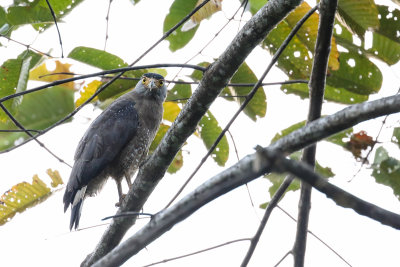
column 55, row 177
column 24, row 195
column 309, row 30
column 171, row 111
column 205, row 12
column 87, row 92
column 41, row 73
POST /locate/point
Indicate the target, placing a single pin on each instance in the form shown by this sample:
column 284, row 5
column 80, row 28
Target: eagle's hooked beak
column 152, row 85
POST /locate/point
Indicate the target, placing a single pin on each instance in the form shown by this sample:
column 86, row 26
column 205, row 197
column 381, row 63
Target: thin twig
column 365, row 160
column 107, row 22
column 197, row 252
column 58, row 30
column 100, row 73
column 246, row 101
column 19, row 131
column 317, row 237
column 70, row 115
column 342, row 198
column 29, row 47
column 271, row 205
column 249, row 168
column 19, row 125
column 128, row 214
column 283, row 258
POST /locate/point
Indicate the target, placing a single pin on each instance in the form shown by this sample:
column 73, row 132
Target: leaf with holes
column 38, row 111
column 24, row 195
column 257, row 107
column 358, row 142
column 356, row 74
column 209, row 131
column 179, row 91
column 338, row 95
column 14, row 76
column 385, row 40
column 178, row 10
column 358, row 16
column 386, row 170
column 295, row 61
column 307, row 34
column 37, row 13
column 43, row 74
column 383, row 47
column 87, row 91
column 396, row 136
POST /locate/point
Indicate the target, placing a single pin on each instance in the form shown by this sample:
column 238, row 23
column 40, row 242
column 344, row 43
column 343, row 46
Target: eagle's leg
column 120, row 194
column 128, row 181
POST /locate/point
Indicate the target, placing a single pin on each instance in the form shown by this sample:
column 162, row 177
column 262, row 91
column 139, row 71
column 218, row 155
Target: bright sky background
column 40, row 236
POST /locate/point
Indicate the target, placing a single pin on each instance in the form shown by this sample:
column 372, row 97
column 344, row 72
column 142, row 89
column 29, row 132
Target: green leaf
column 9, row 76
column 24, row 195
column 338, row 95
column 97, row 58
column 177, row 163
column 339, row 138
column 335, row 139
column 277, row 178
column 107, row 61
column 29, row 14
column 38, row 111
column 4, row 25
column 356, row 74
column 198, row 75
column 385, row 40
column 116, row 89
column 35, row 60
column 14, row 75
column 295, row 61
column 179, row 91
column 257, row 107
column 358, row 16
column 396, row 136
column 209, row 131
column 178, row 10
column 37, row 12
column 307, row 33
column 386, row 170
column 255, row 5
column 383, row 48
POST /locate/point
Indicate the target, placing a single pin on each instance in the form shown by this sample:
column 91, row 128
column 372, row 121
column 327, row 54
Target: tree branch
column 260, row 163
column 214, row 80
column 317, row 88
column 338, row 195
column 271, row 205
column 251, row 167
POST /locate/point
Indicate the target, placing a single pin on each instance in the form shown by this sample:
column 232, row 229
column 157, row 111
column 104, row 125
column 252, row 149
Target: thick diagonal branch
column 214, row 80
column 260, row 163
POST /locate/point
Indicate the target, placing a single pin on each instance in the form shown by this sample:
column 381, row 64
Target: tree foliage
column 364, row 33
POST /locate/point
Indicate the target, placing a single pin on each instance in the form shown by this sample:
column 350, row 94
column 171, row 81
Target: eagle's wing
column 101, row 144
